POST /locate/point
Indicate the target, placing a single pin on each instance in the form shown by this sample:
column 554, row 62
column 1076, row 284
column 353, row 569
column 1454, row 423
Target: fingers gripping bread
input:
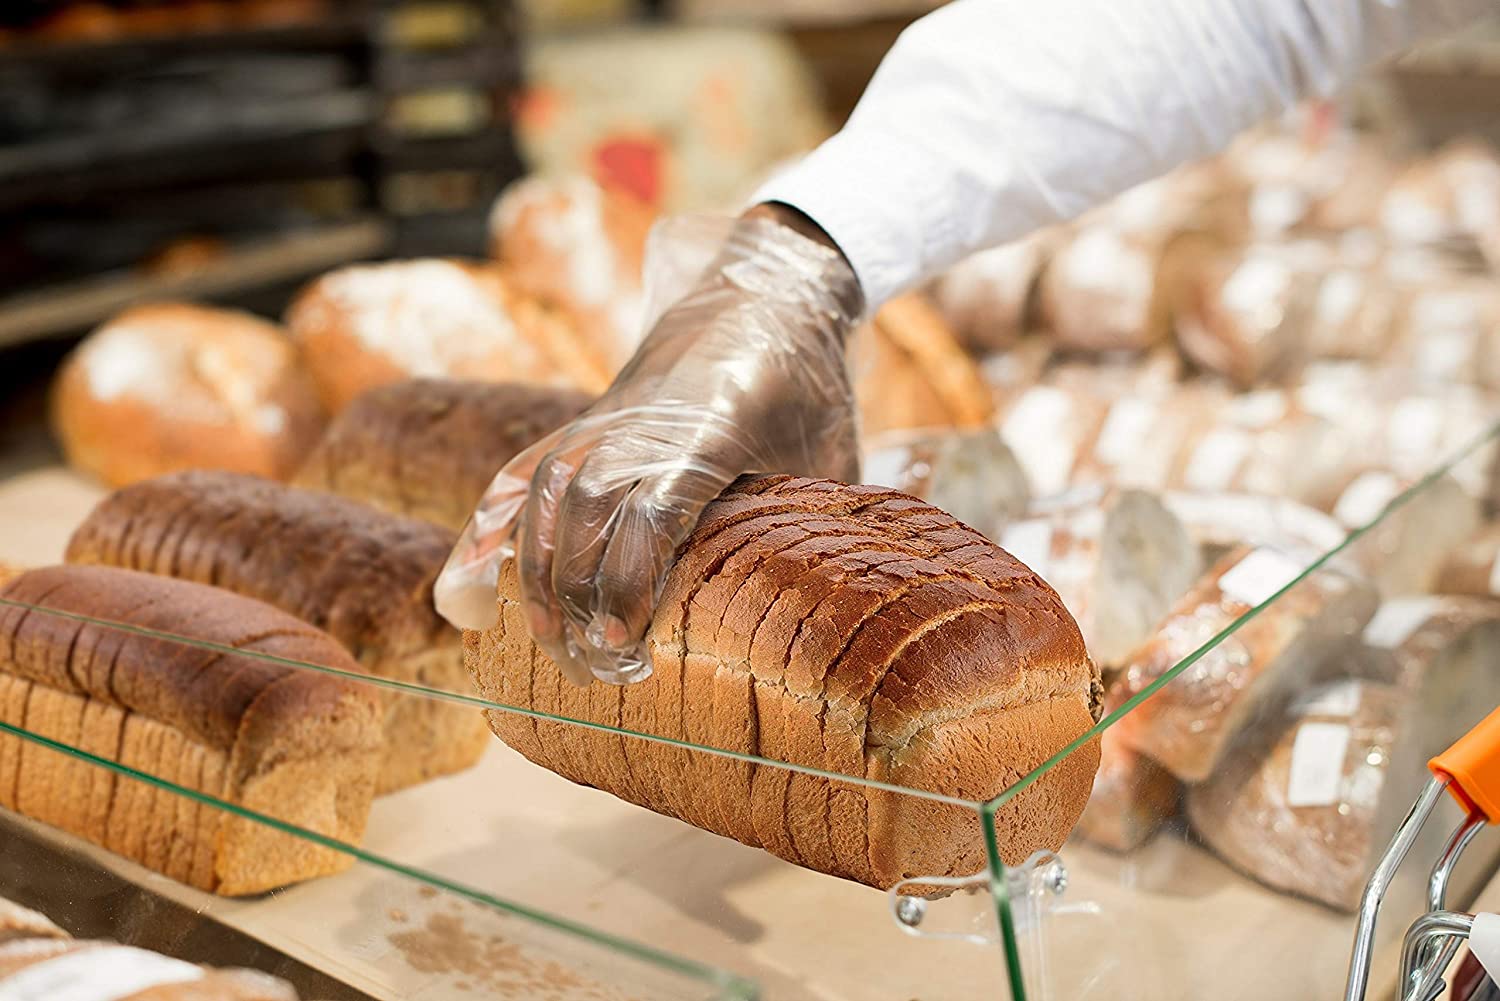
column 852, row 629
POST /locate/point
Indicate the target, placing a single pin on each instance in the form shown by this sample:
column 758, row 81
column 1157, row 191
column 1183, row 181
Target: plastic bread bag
column 743, row 372
column 1405, row 551
column 986, row 297
column 1188, row 724
column 1117, row 558
column 970, row 474
column 1308, row 804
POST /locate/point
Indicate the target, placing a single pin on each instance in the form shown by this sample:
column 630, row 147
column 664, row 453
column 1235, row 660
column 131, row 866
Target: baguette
column 360, row 574
column 852, row 629
column 292, row 744
column 428, row 448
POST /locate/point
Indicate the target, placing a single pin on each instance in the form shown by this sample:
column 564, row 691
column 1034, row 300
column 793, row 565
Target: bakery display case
column 504, row 879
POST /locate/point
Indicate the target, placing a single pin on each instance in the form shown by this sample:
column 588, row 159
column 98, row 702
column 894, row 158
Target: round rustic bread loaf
column 173, row 386
column 850, row 629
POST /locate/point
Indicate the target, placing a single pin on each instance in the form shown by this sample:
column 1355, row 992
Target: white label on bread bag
column 1259, row 575
column 105, row 973
column 888, row 467
column 1124, row 431
column 1317, row 769
column 1338, row 699
column 1395, row 621
column 1039, row 429
column 1216, row 459
column 1365, row 498
column 1031, row 543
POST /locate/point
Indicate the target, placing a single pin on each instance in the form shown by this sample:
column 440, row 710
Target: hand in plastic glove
column 745, row 373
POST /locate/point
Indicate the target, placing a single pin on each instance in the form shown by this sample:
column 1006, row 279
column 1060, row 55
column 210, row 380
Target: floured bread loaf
column 370, row 325
column 1117, row 558
column 1474, row 567
column 362, row 575
column 85, row 971
column 172, row 386
column 294, row 744
column 1187, row 725
column 428, row 448
column 970, row 474
column 852, row 629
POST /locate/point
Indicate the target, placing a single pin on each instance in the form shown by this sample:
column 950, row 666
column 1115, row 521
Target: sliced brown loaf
column 362, row 575
column 851, row 629
column 428, row 448
column 294, row 744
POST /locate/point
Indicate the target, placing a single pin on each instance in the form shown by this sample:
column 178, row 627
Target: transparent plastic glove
column 744, row 373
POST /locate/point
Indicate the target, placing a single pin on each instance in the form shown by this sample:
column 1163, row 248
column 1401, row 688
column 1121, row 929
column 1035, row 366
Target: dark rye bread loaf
column 362, row 575
column 294, row 744
column 852, row 629
column 428, row 448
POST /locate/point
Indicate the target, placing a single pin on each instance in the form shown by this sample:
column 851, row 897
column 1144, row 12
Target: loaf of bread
column 428, row 448
column 911, row 372
column 369, row 325
column 362, row 575
column 986, row 298
column 52, row 968
column 578, row 247
column 167, row 387
column 851, row 629
column 1187, row 725
column 1132, row 797
column 1404, row 553
column 294, row 744
column 1117, row 558
column 1049, row 428
column 971, row 474
column 1098, row 292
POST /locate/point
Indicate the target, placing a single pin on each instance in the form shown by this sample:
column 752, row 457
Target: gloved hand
column 745, row 373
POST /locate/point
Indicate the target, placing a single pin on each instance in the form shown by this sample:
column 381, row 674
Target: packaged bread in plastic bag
column 1188, row 724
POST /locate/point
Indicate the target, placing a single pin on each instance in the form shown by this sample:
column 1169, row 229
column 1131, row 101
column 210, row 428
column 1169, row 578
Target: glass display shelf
column 507, row 880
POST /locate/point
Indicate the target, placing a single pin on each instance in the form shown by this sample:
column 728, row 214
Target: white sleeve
column 991, row 118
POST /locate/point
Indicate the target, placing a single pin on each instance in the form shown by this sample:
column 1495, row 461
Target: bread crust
column 851, row 629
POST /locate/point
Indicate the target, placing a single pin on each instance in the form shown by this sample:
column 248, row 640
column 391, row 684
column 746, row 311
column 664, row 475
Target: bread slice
column 362, row 575
column 851, row 629
column 293, row 744
column 428, row 448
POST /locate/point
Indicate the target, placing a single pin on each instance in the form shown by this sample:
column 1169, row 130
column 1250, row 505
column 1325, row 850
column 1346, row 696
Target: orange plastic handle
column 1472, row 768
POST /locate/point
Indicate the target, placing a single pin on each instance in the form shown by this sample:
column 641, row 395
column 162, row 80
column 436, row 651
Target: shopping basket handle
column 1472, row 768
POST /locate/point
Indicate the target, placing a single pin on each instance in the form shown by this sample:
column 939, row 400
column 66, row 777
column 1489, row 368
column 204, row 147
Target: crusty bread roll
column 852, row 629
column 46, row 968
column 172, row 386
column 362, row 575
column 369, row 325
column 971, row 474
column 1187, row 725
column 1117, row 558
column 428, row 448
column 294, row 744
column 910, row 372
column 579, row 248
